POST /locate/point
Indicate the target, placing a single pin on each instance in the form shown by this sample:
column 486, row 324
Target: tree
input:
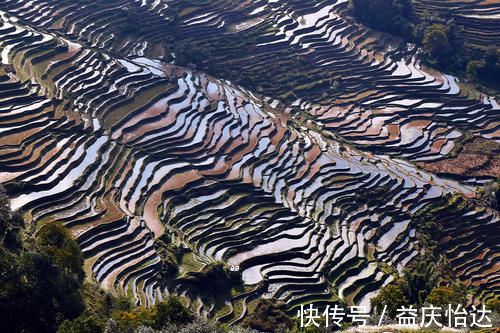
column 455, row 35
column 215, row 279
column 129, row 321
column 385, row 15
column 87, row 322
column 36, row 294
column 11, row 224
column 442, row 296
column 471, row 70
column 419, row 281
column 4, row 205
column 491, row 56
column 494, row 305
column 171, row 311
column 56, row 241
column 390, row 296
column 267, row 317
column 38, row 285
column 436, row 42
column 497, row 193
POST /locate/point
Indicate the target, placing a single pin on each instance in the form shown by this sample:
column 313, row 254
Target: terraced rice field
column 479, row 18
column 123, row 148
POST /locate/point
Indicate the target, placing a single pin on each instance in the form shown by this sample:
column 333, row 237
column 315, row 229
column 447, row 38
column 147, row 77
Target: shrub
column 494, row 305
column 87, row 322
column 238, row 329
column 199, row 325
column 390, row 296
column 267, row 317
column 214, row 279
column 171, row 311
column 419, row 281
column 471, row 70
column 442, row 296
column 129, row 321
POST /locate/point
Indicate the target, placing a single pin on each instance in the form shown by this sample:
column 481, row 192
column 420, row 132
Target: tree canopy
column 385, row 15
column 40, row 279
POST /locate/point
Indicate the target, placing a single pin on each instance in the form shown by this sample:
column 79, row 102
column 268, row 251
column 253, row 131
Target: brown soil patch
column 480, row 157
